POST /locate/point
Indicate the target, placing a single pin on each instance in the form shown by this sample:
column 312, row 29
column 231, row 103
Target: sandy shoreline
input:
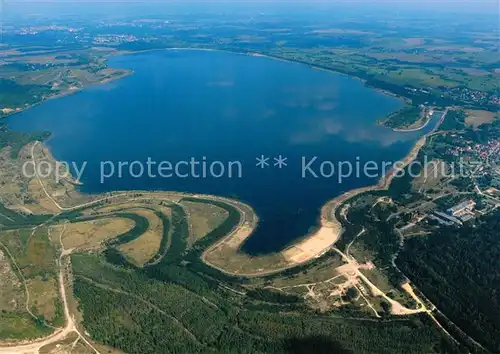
column 329, row 210
column 310, row 246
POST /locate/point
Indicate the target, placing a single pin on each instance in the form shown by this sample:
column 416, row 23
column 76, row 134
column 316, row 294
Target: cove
column 217, row 106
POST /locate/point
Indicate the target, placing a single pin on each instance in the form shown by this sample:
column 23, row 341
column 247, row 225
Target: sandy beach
column 309, row 247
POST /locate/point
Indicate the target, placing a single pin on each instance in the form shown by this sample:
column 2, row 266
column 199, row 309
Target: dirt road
column 34, row 347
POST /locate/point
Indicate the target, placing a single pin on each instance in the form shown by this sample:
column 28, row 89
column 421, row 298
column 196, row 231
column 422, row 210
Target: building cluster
column 114, row 39
column 463, row 211
column 478, row 152
column 492, row 192
column 467, row 95
column 38, row 29
column 456, row 215
column 27, row 31
column 425, row 91
column 494, row 99
column 460, row 94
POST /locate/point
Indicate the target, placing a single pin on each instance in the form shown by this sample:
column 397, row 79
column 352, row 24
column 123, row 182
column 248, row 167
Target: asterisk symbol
column 280, row 161
column 262, row 161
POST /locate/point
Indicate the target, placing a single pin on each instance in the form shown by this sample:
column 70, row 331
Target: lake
column 225, row 110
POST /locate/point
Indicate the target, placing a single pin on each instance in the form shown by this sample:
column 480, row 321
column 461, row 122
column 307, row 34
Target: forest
column 455, row 120
column 458, row 270
column 20, row 95
column 129, row 310
column 403, row 118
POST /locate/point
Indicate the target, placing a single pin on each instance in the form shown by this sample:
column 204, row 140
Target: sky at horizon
column 490, row 9
column 411, row 3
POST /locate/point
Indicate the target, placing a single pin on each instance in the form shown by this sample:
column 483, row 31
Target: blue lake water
column 226, row 107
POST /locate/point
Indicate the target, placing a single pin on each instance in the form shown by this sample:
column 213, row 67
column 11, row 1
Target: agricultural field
column 29, row 78
column 476, row 118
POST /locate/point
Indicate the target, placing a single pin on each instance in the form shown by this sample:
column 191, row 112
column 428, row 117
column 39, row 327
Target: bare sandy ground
column 315, row 245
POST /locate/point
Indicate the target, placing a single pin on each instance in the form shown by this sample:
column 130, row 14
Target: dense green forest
column 459, row 271
column 19, row 95
column 403, row 117
column 455, row 120
column 128, row 309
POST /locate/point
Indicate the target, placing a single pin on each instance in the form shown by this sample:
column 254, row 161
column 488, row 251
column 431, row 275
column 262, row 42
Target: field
column 91, row 234
column 12, row 295
column 15, row 326
column 29, row 78
column 142, row 249
column 45, row 299
column 203, row 219
column 33, row 264
column 24, row 193
column 416, row 57
column 475, row 118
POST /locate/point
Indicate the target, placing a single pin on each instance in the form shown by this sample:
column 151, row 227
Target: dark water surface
column 180, row 105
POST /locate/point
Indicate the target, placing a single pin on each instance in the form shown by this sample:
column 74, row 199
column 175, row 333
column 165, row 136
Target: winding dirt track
column 34, row 346
column 61, row 333
column 70, row 326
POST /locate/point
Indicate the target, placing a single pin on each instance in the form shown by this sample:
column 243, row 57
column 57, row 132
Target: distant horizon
column 472, row 4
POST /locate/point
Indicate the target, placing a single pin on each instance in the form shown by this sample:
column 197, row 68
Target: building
column 466, row 217
column 493, row 192
column 448, row 218
column 464, row 207
column 439, row 220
